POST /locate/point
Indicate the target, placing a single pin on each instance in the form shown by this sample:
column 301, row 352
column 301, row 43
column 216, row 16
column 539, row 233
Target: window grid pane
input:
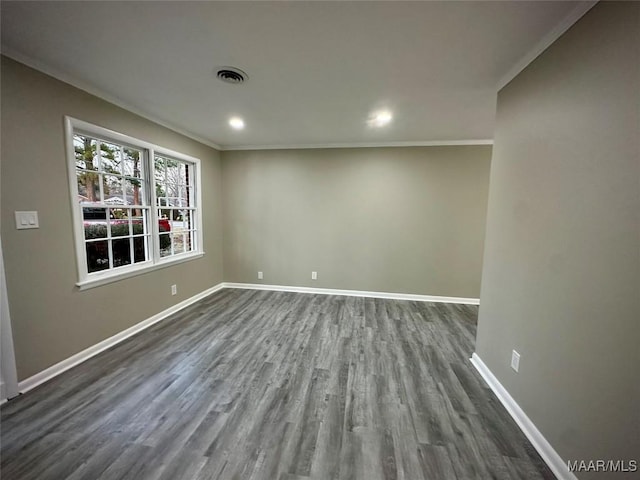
column 114, row 236
column 174, row 204
column 114, row 185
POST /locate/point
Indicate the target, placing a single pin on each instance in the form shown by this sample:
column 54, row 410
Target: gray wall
column 561, row 275
column 51, row 319
column 407, row 220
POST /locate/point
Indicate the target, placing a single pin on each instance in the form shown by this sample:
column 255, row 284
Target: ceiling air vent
column 231, row 75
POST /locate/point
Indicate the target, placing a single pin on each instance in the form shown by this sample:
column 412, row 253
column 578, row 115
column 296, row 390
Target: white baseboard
column 354, row 293
column 64, row 365
column 555, row 462
column 58, row 368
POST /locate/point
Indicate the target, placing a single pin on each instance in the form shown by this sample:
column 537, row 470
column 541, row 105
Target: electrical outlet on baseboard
column 260, row 276
column 515, row 360
column 174, row 289
column 314, row 275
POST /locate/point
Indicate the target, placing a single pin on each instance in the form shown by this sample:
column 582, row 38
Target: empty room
column 328, row 240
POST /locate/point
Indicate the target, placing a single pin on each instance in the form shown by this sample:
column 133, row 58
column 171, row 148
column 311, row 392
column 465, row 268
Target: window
column 135, row 205
column 174, row 201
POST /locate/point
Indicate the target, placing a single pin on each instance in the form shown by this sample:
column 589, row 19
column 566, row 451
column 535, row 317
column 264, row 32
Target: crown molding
column 95, row 91
column 580, row 8
column 66, row 78
column 434, row 143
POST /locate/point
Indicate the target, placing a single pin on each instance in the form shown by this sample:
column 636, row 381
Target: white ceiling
column 316, row 69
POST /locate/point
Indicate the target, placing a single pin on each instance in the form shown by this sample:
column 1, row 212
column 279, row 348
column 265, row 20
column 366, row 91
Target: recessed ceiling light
column 380, row 118
column 236, row 123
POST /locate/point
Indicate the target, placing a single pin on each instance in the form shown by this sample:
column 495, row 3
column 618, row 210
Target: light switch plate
column 25, row 220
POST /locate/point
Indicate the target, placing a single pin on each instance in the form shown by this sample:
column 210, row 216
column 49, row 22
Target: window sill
column 115, row 277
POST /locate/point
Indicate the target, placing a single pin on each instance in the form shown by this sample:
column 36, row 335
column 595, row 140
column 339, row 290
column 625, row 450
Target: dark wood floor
column 271, row 385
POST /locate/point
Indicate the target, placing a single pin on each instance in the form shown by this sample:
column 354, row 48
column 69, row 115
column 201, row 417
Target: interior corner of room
column 538, row 225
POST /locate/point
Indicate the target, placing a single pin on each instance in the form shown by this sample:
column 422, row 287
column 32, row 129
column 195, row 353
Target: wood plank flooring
column 255, row 385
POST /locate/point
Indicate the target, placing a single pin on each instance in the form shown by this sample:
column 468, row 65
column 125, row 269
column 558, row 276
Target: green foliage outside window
column 97, row 253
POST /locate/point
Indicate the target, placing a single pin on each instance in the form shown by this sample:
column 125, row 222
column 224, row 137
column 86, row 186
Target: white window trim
column 89, row 280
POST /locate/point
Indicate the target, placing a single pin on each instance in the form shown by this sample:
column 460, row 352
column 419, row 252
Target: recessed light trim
column 380, row 118
column 236, row 123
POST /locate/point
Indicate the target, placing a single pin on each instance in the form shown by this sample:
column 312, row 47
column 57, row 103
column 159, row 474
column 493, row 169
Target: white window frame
column 89, row 280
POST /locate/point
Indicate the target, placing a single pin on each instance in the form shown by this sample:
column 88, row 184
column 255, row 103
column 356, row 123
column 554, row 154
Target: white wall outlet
column 515, row 360
column 260, row 276
column 314, row 275
column 174, row 289
column 26, row 220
